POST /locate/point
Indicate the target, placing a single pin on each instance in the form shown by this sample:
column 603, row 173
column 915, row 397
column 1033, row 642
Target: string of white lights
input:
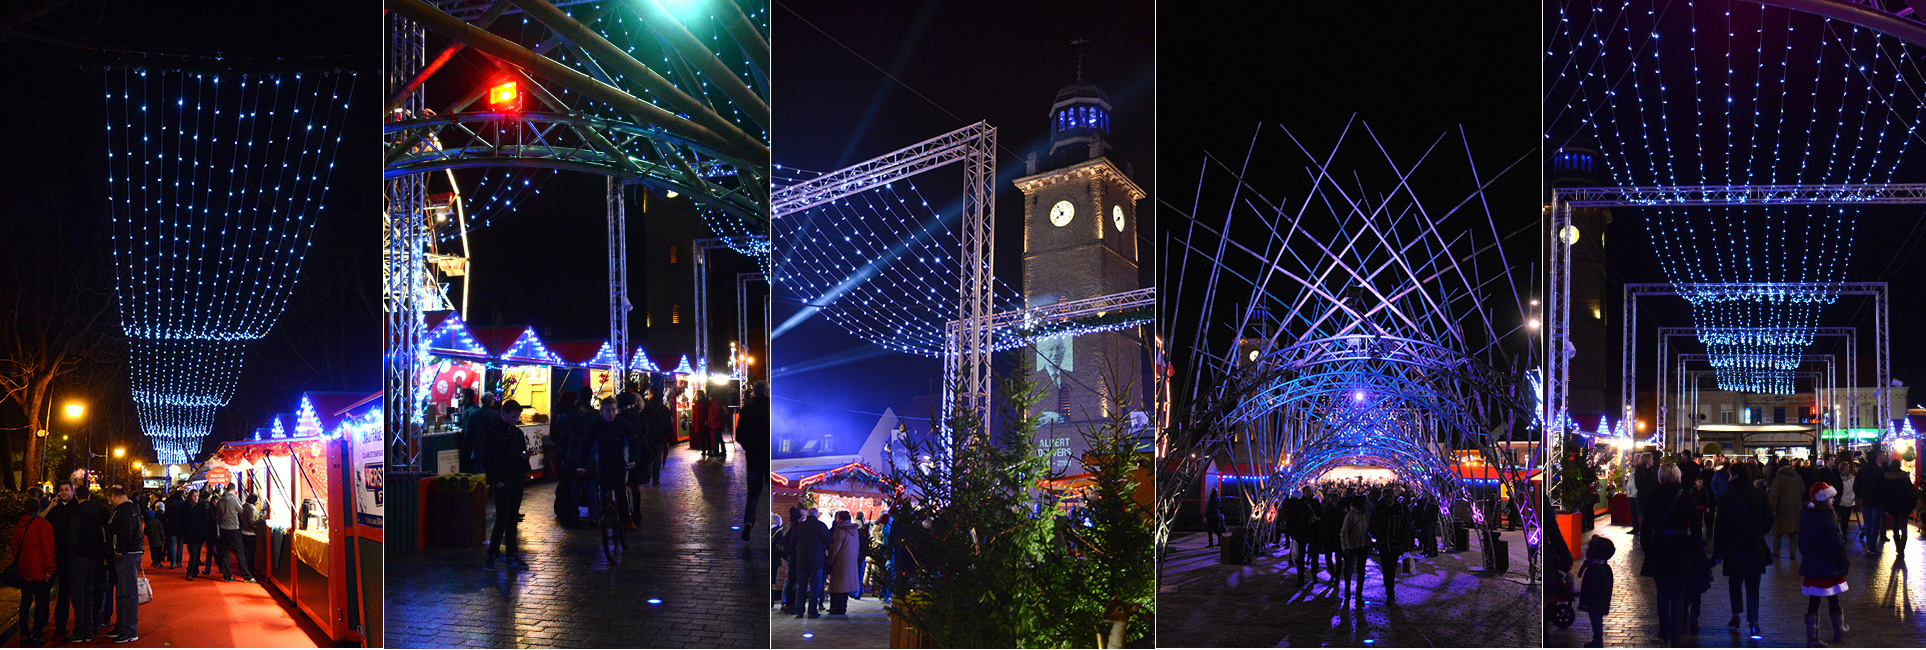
column 1774, row 96
column 881, row 264
column 216, row 182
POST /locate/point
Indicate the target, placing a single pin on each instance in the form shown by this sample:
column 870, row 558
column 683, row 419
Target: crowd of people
column 82, row 553
column 599, row 451
column 1691, row 514
column 1338, row 526
column 818, row 567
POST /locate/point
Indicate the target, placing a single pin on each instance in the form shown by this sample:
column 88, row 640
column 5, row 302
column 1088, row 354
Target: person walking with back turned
column 125, row 537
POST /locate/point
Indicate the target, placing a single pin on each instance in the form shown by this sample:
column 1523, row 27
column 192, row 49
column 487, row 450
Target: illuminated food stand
column 320, row 496
column 522, row 371
column 452, row 359
column 455, row 360
column 855, row 487
column 590, row 368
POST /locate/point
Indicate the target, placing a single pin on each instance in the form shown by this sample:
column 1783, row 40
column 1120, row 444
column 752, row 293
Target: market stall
column 313, row 484
column 523, row 372
column 855, row 487
column 455, row 360
column 589, row 371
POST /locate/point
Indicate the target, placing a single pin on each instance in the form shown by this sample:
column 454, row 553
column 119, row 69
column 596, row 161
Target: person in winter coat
column 1671, row 550
column 1213, row 519
column 63, row 521
column 1644, row 481
column 197, row 531
column 507, row 463
column 611, row 438
column 845, row 562
column 1297, row 526
column 1872, row 504
column 1355, row 538
column 1786, row 497
column 125, row 537
column 1391, row 526
column 1824, row 567
column 752, row 433
column 556, row 447
column 232, row 542
column 661, row 433
column 701, row 428
column 808, row 544
column 1848, row 498
column 173, row 523
column 629, row 410
column 1901, row 497
column 155, row 513
column 1738, row 543
column 1595, row 586
column 33, row 552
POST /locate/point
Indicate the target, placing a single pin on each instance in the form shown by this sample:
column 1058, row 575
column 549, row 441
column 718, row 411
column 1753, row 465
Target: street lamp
column 74, row 411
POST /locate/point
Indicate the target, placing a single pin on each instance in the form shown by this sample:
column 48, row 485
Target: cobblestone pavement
column 1203, row 603
column 1882, row 604
column 713, row 586
column 865, row 626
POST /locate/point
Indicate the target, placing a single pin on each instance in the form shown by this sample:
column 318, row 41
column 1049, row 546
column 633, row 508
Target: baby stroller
column 1560, row 598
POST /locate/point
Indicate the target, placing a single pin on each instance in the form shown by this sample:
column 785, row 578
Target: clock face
column 1061, row 213
column 1116, row 216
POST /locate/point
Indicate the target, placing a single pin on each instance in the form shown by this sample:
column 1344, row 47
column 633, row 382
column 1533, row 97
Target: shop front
column 854, row 487
column 321, row 543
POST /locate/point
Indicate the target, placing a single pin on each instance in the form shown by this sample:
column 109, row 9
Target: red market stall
column 320, row 497
column 855, row 487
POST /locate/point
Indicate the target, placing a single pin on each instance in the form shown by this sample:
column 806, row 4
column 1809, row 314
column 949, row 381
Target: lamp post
column 119, row 453
column 74, row 412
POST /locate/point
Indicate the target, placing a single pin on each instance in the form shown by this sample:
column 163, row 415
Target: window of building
column 675, row 314
column 1778, row 415
column 674, row 253
column 1805, row 414
column 783, row 444
column 1725, row 416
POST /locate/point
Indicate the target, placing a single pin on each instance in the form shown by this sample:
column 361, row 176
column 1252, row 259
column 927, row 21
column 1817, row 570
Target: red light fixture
column 505, row 97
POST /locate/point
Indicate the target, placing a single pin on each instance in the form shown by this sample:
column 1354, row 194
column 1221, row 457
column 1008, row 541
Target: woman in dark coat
column 1672, row 552
column 1822, row 562
column 1739, row 543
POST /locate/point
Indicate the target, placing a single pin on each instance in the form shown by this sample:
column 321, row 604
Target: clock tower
column 1080, row 240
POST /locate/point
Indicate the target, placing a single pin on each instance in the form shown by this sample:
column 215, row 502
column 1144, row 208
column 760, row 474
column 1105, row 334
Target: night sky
column 329, row 336
column 1002, row 63
column 1412, row 72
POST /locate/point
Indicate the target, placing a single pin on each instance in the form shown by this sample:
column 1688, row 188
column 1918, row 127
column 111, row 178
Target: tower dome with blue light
column 1079, row 124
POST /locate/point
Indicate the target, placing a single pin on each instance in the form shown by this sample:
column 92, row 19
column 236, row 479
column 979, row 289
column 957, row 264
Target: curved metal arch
column 580, row 143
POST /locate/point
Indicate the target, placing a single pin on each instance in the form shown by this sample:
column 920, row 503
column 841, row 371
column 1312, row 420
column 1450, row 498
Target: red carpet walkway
column 214, row 614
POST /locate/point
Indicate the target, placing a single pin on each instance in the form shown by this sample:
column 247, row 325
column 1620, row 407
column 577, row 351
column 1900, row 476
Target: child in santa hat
column 1822, row 561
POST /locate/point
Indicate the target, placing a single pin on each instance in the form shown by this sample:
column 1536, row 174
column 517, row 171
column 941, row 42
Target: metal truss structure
column 595, row 108
column 743, row 280
column 967, row 366
column 1375, row 341
column 1628, row 352
column 1558, row 303
column 1663, row 421
column 1753, row 195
